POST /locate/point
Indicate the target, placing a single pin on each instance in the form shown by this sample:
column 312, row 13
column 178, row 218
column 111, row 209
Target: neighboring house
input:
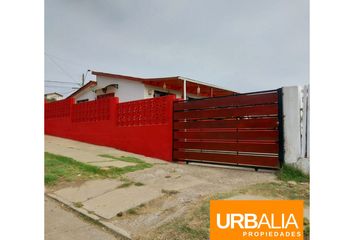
column 54, row 96
column 128, row 88
column 85, row 93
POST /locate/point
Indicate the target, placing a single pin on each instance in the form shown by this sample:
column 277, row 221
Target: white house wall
column 54, row 96
column 150, row 89
column 127, row 90
column 88, row 94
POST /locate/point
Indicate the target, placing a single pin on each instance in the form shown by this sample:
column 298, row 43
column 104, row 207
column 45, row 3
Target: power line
column 56, row 64
column 67, row 92
column 55, row 86
column 52, row 81
column 65, row 60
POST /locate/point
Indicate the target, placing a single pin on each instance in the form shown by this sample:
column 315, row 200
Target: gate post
column 292, row 129
column 281, row 126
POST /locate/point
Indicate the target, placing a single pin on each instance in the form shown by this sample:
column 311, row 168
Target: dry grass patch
column 282, row 190
column 169, row 192
column 194, row 225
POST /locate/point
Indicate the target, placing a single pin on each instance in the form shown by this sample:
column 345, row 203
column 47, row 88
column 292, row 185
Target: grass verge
column 194, row 225
column 59, row 168
column 291, row 173
column 278, row 190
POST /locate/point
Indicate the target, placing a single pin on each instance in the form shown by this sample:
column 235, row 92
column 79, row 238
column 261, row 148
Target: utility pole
column 83, row 77
column 82, row 80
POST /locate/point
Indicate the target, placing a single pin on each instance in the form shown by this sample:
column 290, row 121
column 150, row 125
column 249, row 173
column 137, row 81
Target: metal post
column 281, row 126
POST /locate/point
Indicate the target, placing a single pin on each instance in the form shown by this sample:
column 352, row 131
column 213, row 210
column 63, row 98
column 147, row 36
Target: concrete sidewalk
column 164, row 191
column 89, row 153
column 61, row 224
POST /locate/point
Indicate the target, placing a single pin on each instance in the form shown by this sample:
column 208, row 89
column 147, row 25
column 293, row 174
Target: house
column 54, row 96
column 128, row 88
column 85, row 93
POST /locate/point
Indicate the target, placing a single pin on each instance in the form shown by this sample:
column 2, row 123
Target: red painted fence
column 142, row 127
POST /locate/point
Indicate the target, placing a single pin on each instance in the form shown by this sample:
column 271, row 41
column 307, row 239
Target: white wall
column 296, row 130
column 150, row 89
column 90, row 95
column 53, row 96
column 127, row 90
column 291, row 111
column 305, row 122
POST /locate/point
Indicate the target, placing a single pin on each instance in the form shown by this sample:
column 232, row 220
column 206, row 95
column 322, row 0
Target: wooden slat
column 258, row 147
column 262, row 123
column 205, row 135
column 228, row 112
column 228, row 101
column 229, row 146
column 230, row 135
column 258, row 135
column 226, row 158
column 222, row 146
column 206, row 124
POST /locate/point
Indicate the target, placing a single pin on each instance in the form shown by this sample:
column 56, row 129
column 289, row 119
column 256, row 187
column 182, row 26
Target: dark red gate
column 244, row 129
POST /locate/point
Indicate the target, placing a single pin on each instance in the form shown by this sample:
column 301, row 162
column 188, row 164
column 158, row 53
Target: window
column 160, row 94
column 82, row 100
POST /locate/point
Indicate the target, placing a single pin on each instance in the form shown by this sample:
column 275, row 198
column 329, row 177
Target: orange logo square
column 256, row 219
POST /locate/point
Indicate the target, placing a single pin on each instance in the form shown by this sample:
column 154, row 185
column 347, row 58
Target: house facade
column 54, row 96
column 128, row 88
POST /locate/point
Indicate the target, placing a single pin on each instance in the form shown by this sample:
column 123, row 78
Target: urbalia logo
column 256, row 219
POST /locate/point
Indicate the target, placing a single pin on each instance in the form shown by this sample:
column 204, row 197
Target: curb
column 116, row 230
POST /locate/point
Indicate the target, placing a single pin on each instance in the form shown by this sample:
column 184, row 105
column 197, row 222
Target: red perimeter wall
column 143, row 126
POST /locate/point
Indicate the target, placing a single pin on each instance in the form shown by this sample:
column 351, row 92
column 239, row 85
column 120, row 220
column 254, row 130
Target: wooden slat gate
column 244, row 130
